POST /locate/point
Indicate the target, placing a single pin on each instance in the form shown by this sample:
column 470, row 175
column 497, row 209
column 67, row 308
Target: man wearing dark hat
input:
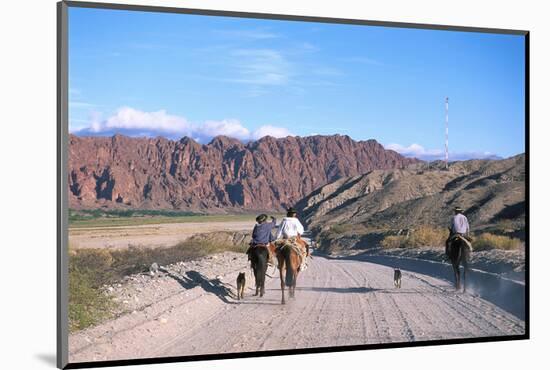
column 459, row 226
column 261, row 234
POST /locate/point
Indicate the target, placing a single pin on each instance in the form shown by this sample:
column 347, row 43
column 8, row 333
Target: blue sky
column 174, row 75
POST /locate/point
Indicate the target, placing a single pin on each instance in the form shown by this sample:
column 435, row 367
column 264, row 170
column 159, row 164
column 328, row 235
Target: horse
column 258, row 260
column 289, row 259
column 459, row 252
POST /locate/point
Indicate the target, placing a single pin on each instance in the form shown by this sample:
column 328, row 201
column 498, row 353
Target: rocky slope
column 492, row 192
column 267, row 174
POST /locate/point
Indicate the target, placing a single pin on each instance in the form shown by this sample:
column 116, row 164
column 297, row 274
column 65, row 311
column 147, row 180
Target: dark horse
column 289, row 262
column 258, row 260
column 458, row 253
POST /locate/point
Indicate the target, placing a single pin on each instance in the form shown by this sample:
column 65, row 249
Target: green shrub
column 91, row 269
column 88, row 304
column 488, row 241
column 338, row 229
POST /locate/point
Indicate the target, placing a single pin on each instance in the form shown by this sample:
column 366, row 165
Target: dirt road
column 338, row 302
column 157, row 235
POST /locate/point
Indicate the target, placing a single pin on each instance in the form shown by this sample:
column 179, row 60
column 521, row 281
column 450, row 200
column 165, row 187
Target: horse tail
column 290, row 276
column 459, row 251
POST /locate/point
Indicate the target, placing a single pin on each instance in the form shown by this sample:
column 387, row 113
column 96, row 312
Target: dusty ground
column 191, row 310
column 160, row 235
column 507, row 264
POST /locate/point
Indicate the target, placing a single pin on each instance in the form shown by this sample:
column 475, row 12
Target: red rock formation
column 267, row 174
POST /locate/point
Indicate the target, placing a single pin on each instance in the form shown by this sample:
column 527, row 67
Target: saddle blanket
column 297, row 247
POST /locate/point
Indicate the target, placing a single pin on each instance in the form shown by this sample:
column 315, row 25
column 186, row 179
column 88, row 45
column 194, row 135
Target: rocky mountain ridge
column 225, row 174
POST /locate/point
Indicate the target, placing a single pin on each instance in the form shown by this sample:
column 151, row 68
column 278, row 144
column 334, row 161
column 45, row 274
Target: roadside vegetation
column 487, row 241
column 426, row 236
column 112, row 218
column 423, row 236
column 90, row 270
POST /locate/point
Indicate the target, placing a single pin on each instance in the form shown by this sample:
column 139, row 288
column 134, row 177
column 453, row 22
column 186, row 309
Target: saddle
column 270, row 247
column 464, row 239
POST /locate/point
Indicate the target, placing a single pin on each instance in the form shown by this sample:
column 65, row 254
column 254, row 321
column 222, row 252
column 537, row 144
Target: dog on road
column 397, row 278
column 241, row 283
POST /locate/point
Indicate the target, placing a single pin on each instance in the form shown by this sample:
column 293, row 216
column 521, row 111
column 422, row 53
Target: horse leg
column 282, row 283
column 456, row 269
column 465, row 266
column 256, row 278
column 262, row 277
column 262, row 286
column 294, row 285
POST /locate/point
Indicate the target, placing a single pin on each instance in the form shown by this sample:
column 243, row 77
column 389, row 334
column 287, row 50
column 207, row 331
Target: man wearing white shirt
column 290, row 226
column 459, row 227
column 289, row 230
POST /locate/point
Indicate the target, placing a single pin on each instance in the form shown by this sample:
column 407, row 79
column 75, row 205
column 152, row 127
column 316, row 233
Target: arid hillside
column 225, row 174
column 492, row 193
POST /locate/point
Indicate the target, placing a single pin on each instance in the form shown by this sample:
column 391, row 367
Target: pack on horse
column 289, row 258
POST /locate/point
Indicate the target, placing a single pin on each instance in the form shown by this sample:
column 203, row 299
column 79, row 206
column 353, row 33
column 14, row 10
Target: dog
column 397, row 278
column 241, row 282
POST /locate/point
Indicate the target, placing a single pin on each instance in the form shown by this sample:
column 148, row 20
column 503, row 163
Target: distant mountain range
column 223, row 175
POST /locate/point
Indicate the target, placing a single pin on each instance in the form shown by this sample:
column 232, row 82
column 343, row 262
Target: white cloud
column 133, row 119
column 260, row 67
column 269, row 130
column 134, row 122
column 231, row 128
column 418, row 151
column 414, row 150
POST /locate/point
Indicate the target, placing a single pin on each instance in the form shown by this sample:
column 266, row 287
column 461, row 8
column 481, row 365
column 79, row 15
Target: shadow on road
column 338, row 290
column 192, row 279
column 507, row 294
column 263, row 303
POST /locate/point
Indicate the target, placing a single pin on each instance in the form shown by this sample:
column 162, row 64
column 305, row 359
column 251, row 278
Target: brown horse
column 459, row 252
column 289, row 260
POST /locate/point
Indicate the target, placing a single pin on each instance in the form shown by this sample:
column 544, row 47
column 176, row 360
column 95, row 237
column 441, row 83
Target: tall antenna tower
column 447, row 133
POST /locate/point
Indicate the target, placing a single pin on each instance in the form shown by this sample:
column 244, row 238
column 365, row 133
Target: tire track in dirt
column 338, row 302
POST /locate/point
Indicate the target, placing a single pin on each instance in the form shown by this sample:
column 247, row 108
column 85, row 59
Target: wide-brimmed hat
column 261, row 218
column 459, row 209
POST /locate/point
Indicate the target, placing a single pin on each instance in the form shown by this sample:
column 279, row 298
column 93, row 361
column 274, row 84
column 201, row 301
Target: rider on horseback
column 289, row 232
column 261, row 234
column 459, row 228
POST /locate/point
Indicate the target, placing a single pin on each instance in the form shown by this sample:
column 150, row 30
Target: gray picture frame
column 62, row 175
